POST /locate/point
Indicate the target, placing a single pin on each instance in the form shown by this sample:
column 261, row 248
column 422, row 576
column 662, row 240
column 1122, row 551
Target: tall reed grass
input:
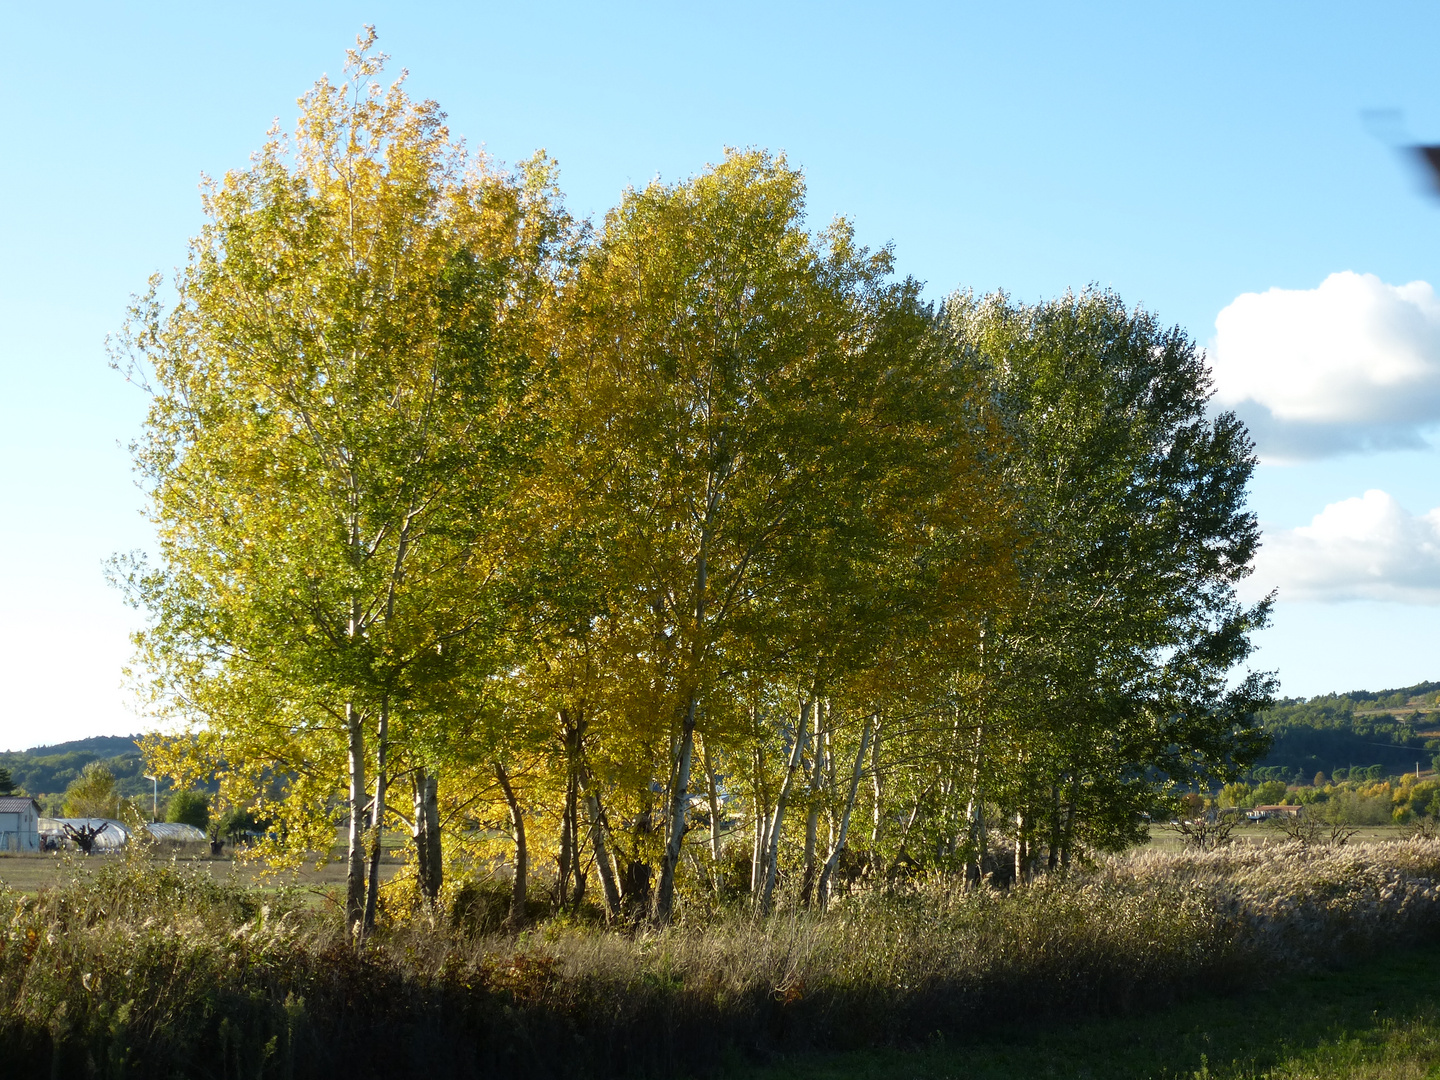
column 153, row 970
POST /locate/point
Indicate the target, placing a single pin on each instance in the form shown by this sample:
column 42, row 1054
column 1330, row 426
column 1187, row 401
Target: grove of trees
column 687, row 552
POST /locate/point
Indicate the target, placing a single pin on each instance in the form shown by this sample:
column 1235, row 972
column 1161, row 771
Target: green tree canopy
column 1117, row 667
column 338, row 419
column 93, row 794
column 189, row 808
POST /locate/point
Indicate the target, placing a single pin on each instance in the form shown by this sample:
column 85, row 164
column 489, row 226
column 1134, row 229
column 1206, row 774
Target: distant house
column 1265, row 813
column 19, row 823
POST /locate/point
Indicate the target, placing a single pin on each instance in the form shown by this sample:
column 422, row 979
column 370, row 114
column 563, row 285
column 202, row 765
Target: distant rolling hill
column 1395, row 729
column 46, row 771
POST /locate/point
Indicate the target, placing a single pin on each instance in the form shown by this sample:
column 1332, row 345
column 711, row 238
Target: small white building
column 19, row 823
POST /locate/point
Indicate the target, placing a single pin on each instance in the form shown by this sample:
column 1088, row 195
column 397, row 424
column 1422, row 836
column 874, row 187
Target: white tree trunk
column 355, row 841
column 377, row 814
column 772, row 840
column 823, row 892
column 600, row 844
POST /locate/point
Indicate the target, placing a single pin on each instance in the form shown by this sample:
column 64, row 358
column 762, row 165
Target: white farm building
column 19, row 823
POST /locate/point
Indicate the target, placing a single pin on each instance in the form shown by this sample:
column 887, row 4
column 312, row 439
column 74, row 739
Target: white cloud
column 1370, row 548
column 1351, row 365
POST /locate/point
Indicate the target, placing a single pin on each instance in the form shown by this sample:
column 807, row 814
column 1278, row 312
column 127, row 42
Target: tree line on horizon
column 689, row 551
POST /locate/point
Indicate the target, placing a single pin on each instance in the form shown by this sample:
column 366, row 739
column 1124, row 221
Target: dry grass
column 162, row 965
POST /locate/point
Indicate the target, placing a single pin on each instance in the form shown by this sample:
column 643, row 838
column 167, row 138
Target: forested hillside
column 49, row 770
column 1394, row 729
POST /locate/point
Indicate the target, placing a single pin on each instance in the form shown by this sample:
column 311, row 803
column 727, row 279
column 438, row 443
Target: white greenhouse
column 176, row 832
column 111, row 836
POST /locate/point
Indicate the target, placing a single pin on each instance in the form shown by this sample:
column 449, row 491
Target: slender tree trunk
column 1069, row 839
column 975, row 810
column 839, row 846
column 522, row 854
column 568, row 855
column 355, row 846
column 572, row 831
column 878, row 791
column 430, row 869
column 600, row 844
column 562, row 877
column 680, row 789
column 772, row 840
column 377, row 818
column 1052, row 858
column 573, row 736
column 812, row 816
column 675, row 824
column 1020, row 860
column 713, row 790
column 762, row 825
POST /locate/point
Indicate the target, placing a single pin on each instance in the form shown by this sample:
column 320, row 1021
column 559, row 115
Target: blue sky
column 1185, row 155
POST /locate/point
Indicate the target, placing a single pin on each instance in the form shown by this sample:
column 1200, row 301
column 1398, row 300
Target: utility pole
column 155, row 796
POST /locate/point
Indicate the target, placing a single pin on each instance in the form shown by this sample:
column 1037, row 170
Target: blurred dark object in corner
column 1429, row 157
column 1388, row 125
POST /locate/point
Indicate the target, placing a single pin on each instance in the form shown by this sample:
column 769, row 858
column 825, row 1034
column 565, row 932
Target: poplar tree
column 336, row 450
column 1118, row 659
column 712, row 367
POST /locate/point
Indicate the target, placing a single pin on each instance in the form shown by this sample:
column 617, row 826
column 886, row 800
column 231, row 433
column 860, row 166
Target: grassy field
column 158, row 965
column 1377, row 1020
column 31, row 873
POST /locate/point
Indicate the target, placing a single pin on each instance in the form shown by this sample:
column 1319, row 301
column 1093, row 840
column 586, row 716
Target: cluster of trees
column 686, row 551
column 95, row 794
column 1364, row 799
